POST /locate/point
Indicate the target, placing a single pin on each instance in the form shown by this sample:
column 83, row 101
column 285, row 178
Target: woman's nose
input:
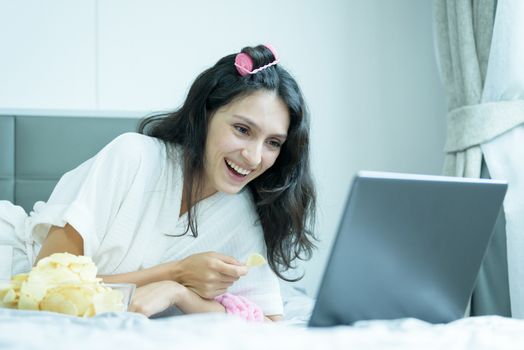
column 252, row 153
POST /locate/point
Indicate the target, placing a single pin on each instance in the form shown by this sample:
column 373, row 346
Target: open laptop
column 407, row 246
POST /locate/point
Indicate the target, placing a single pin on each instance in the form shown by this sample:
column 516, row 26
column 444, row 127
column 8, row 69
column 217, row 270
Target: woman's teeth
column 238, row 169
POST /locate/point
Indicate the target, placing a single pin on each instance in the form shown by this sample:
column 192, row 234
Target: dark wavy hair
column 284, row 194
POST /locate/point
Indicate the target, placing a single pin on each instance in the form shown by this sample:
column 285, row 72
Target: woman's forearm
column 60, row 240
column 140, row 278
column 189, row 302
column 158, row 296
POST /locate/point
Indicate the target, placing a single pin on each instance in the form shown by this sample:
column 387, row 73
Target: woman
column 177, row 208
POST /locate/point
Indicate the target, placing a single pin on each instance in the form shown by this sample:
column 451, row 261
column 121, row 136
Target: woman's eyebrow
column 255, row 125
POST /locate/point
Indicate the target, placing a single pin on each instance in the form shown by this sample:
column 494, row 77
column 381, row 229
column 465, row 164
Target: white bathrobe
column 125, row 203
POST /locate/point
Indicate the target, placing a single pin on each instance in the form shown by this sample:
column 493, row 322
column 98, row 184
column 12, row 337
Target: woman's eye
column 241, row 129
column 275, row 144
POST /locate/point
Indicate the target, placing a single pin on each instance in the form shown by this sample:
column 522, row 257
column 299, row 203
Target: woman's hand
column 156, row 297
column 207, row 274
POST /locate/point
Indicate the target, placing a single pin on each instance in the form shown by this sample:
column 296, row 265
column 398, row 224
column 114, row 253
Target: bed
column 42, row 330
column 37, row 148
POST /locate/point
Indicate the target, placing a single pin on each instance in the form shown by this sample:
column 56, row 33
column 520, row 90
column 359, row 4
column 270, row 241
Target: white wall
column 367, row 70
column 47, row 54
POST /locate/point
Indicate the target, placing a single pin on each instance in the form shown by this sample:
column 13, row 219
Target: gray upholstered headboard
column 36, row 150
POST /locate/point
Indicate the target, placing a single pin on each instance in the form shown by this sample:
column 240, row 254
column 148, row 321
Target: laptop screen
column 407, row 246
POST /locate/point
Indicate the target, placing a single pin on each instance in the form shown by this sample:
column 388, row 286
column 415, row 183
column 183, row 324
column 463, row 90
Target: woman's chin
column 231, row 189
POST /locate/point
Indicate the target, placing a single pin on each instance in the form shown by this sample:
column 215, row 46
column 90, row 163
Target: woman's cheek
column 269, row 161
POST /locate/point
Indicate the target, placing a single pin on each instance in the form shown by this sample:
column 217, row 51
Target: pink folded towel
column 237, row 305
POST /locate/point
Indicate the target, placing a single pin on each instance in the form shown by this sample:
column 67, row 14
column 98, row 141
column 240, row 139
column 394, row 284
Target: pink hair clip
column 244, row 62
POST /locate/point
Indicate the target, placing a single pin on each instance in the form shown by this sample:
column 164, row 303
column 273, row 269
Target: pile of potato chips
column 63, row 283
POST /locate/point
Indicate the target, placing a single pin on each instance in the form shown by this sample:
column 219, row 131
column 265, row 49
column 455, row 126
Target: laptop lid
column 407, row 246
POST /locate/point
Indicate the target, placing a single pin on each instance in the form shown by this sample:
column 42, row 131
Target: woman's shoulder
column 132, row 141
column 133, row 146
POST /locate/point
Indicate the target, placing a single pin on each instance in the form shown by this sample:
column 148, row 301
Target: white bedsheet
column 43, row 330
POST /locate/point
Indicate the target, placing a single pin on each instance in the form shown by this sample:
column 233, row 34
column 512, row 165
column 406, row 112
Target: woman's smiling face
column 243, row 140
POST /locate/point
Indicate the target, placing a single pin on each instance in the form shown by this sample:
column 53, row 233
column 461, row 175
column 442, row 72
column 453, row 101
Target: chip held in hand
column 255, row 259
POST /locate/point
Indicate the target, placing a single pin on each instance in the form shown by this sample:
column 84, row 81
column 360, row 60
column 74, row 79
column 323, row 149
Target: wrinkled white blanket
column 42, row 330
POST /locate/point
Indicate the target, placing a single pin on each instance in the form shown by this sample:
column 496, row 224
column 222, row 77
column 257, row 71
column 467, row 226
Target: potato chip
column 53, row 260
column 51, row 302
column 9, row 297
column 13, row 305
column 21, row 277
column 77, row 294
column 255, row 260
column 53, row 276
column 9, row 294
column 68, row 308
column 4, row 289
column 27, row 303
column 90, row 312
column 88, row 273
column 34, row 290
column 62, row 283
column 57, row 303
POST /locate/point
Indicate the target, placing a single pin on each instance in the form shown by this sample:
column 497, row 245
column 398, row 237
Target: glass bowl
column 127, row 289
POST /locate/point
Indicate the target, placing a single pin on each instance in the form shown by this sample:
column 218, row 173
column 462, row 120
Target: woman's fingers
column 210, row 274
column 227, row 259
column 235, row 271
column 227, row 279
column 231, row 266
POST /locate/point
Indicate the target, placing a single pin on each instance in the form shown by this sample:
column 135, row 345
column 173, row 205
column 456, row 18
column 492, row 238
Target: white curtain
column 480, row 45
column 463, row 31
column 504, row 154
